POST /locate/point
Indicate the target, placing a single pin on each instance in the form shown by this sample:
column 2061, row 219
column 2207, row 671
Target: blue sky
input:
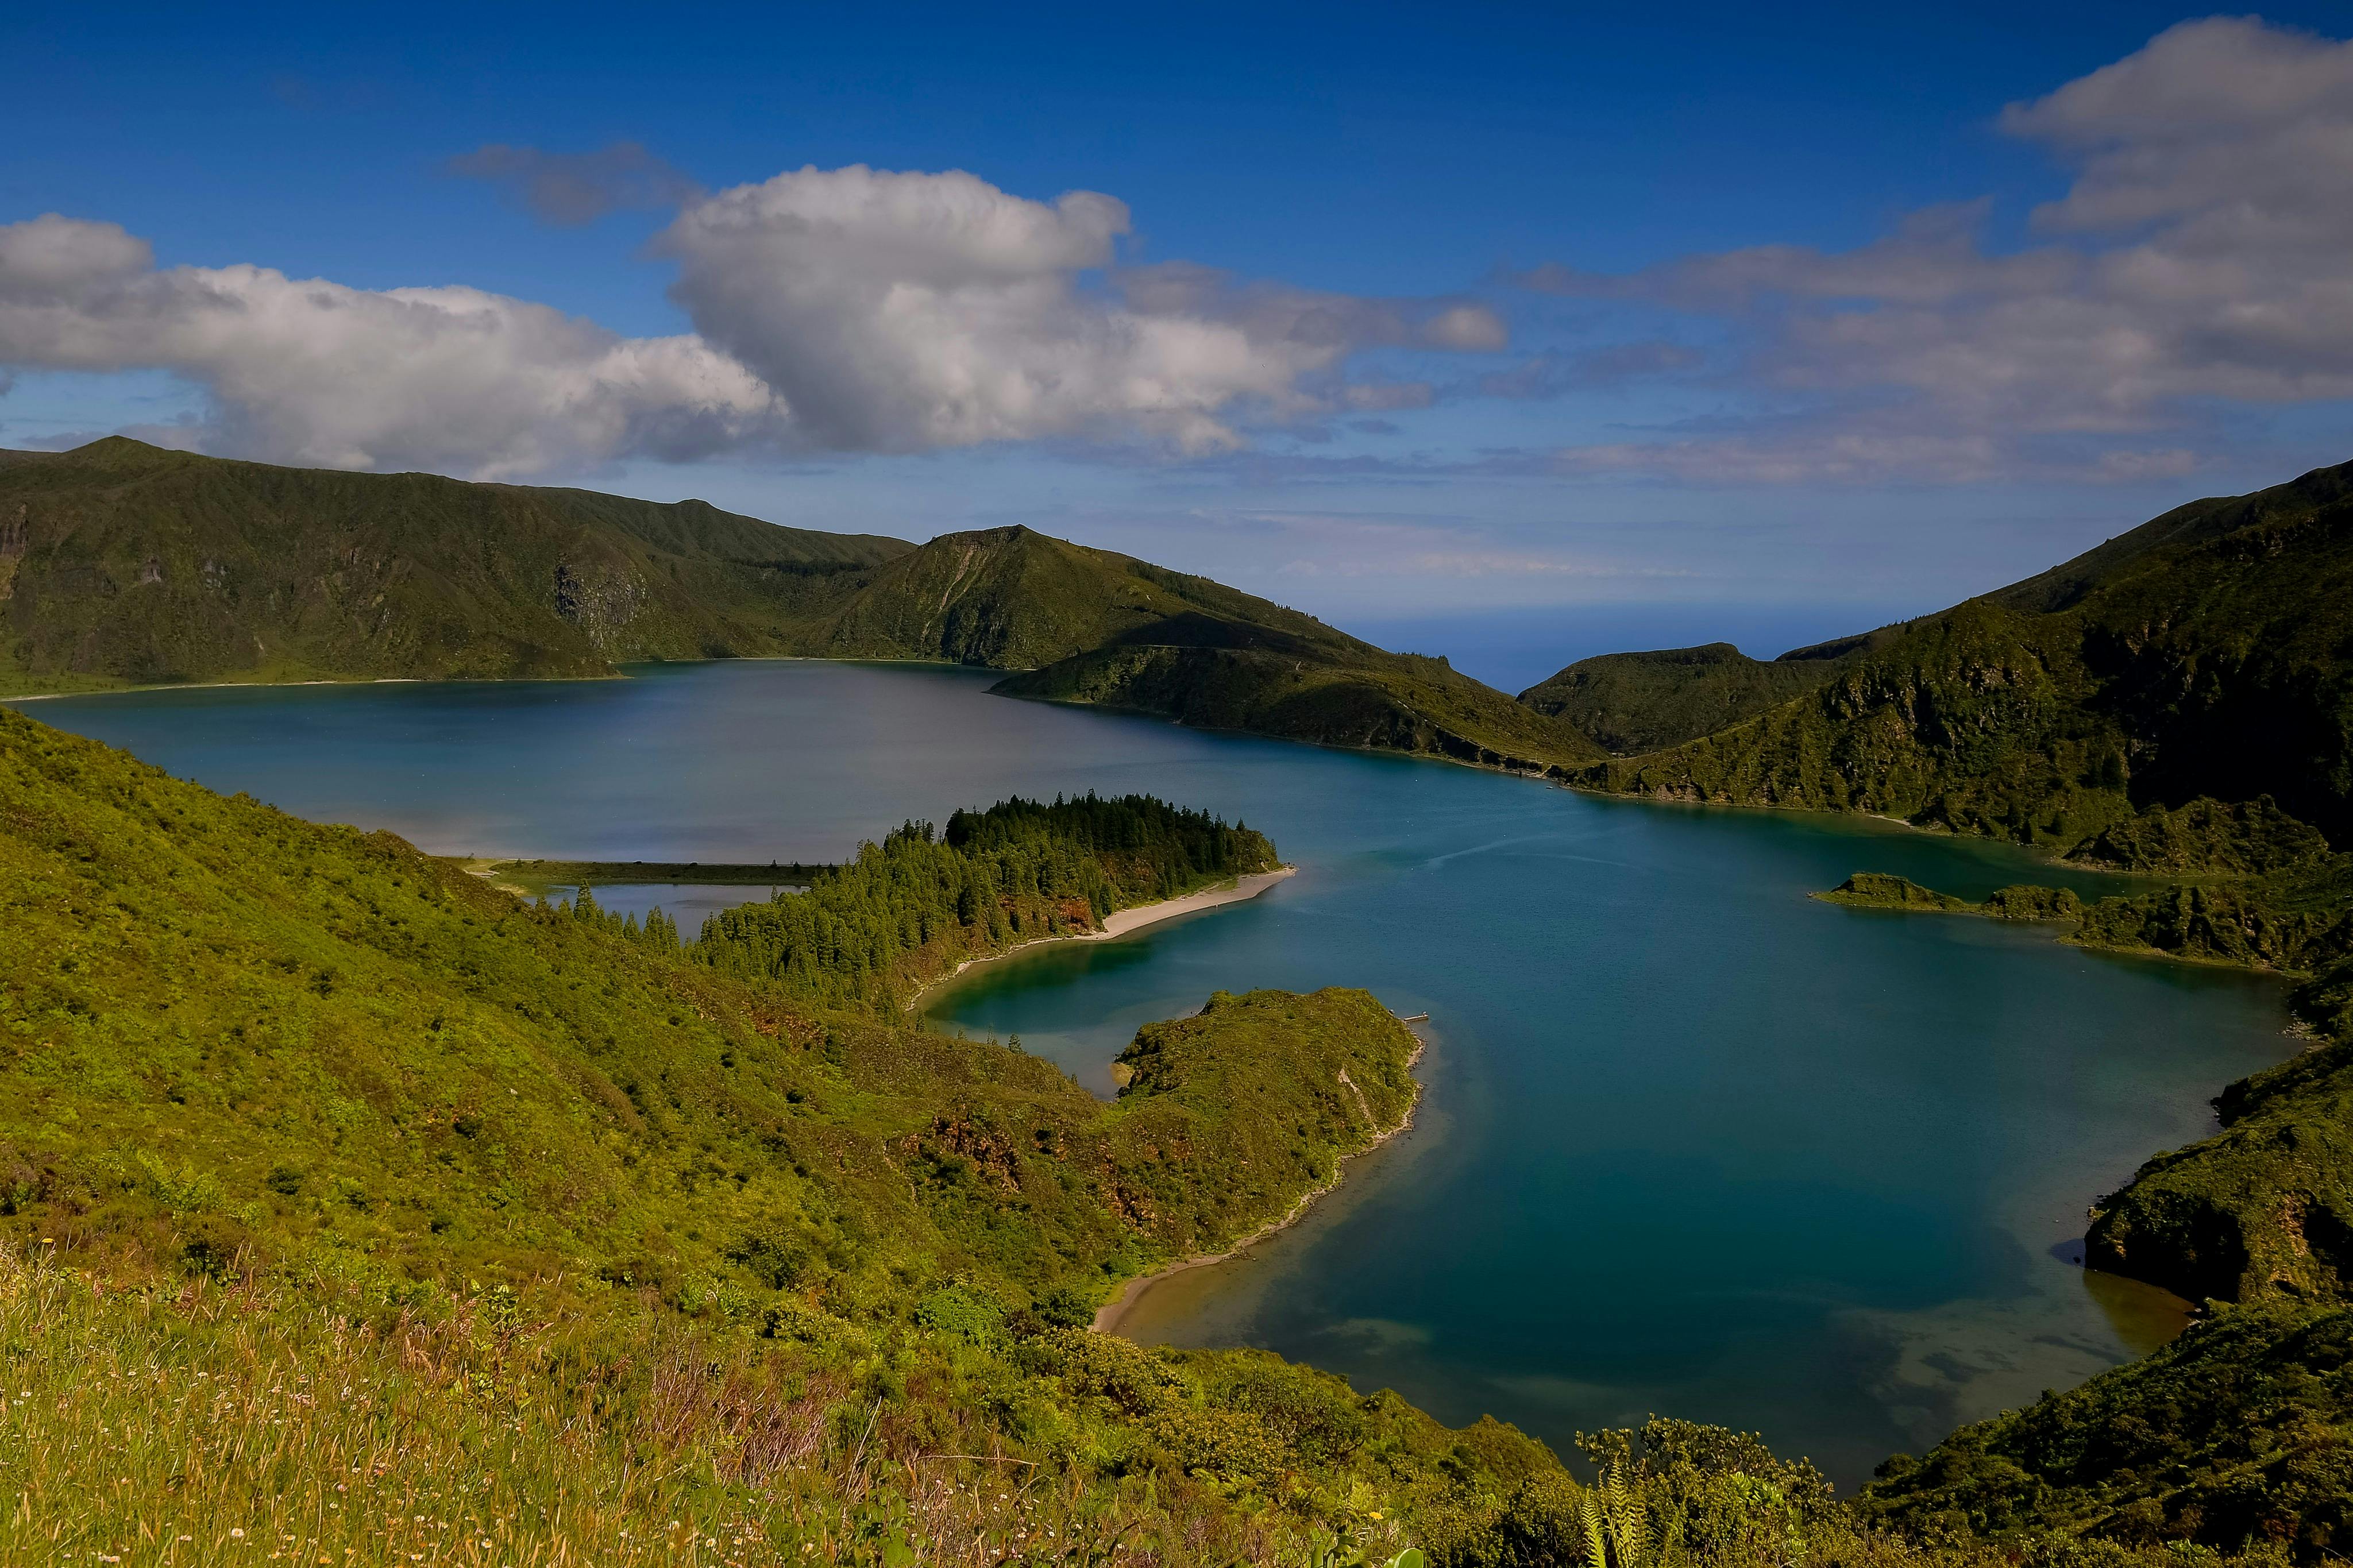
column 1538, row 327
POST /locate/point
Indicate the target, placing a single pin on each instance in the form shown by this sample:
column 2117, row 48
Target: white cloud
column 899, row 311
column 2203, row 252
column 305, row 371
column 844, row 309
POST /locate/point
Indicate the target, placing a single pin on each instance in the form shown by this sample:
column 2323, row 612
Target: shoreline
column 1115, row 1311
column 1119, row 922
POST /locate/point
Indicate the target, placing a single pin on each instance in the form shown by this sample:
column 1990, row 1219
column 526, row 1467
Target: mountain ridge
column 125, row 564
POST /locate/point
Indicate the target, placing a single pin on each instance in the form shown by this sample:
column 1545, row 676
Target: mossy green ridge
column 1013, row 598
column 2028, row 901
column 2247, row 839
column 1344, row 696
column 1878, row 891
column 2238, row 1437
column 903, row 912
column 2262, row 1209
column 2202, row 655
column 125, row 564
column 1639, row 703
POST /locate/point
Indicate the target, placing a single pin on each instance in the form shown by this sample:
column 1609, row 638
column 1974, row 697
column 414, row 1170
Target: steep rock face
column 599, row 598
column 2250, row 838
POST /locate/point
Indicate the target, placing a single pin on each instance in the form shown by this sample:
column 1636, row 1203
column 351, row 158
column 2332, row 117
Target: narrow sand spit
column 1119, row 922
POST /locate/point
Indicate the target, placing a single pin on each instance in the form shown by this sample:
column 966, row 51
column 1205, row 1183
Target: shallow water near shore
column 1693, row 1142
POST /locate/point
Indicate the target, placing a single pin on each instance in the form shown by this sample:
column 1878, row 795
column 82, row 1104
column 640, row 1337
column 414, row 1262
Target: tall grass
column 229, row 1425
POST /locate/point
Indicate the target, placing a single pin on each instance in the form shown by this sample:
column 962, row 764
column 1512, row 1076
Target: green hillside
column 124, row 563
column 2204, row 655
column 1381, row 701
column 2178, row 702
column 1013, row 598
column 1634, row 702
column 1091, row 626
column 364, row 1087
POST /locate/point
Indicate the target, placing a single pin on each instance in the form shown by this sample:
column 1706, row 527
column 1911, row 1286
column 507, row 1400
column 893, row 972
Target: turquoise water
column 1693, row 1143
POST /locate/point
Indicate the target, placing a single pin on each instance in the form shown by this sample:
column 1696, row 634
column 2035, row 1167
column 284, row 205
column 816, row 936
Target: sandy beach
column 1112, row 1313
column 1119, row 922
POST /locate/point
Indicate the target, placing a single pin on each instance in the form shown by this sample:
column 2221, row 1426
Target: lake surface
column 1693, row 1142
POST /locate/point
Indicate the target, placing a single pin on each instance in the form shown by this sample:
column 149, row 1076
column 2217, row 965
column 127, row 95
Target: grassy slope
column 2176, row 702
column 304, row 1024
column 122, row 562
column 237, row 1046
column 1638, row 702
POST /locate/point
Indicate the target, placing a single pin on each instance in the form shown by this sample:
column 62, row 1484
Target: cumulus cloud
column 305, row 371
column 2203, row 251
column 844, row 309
column 898, row 311
column 569, row 189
